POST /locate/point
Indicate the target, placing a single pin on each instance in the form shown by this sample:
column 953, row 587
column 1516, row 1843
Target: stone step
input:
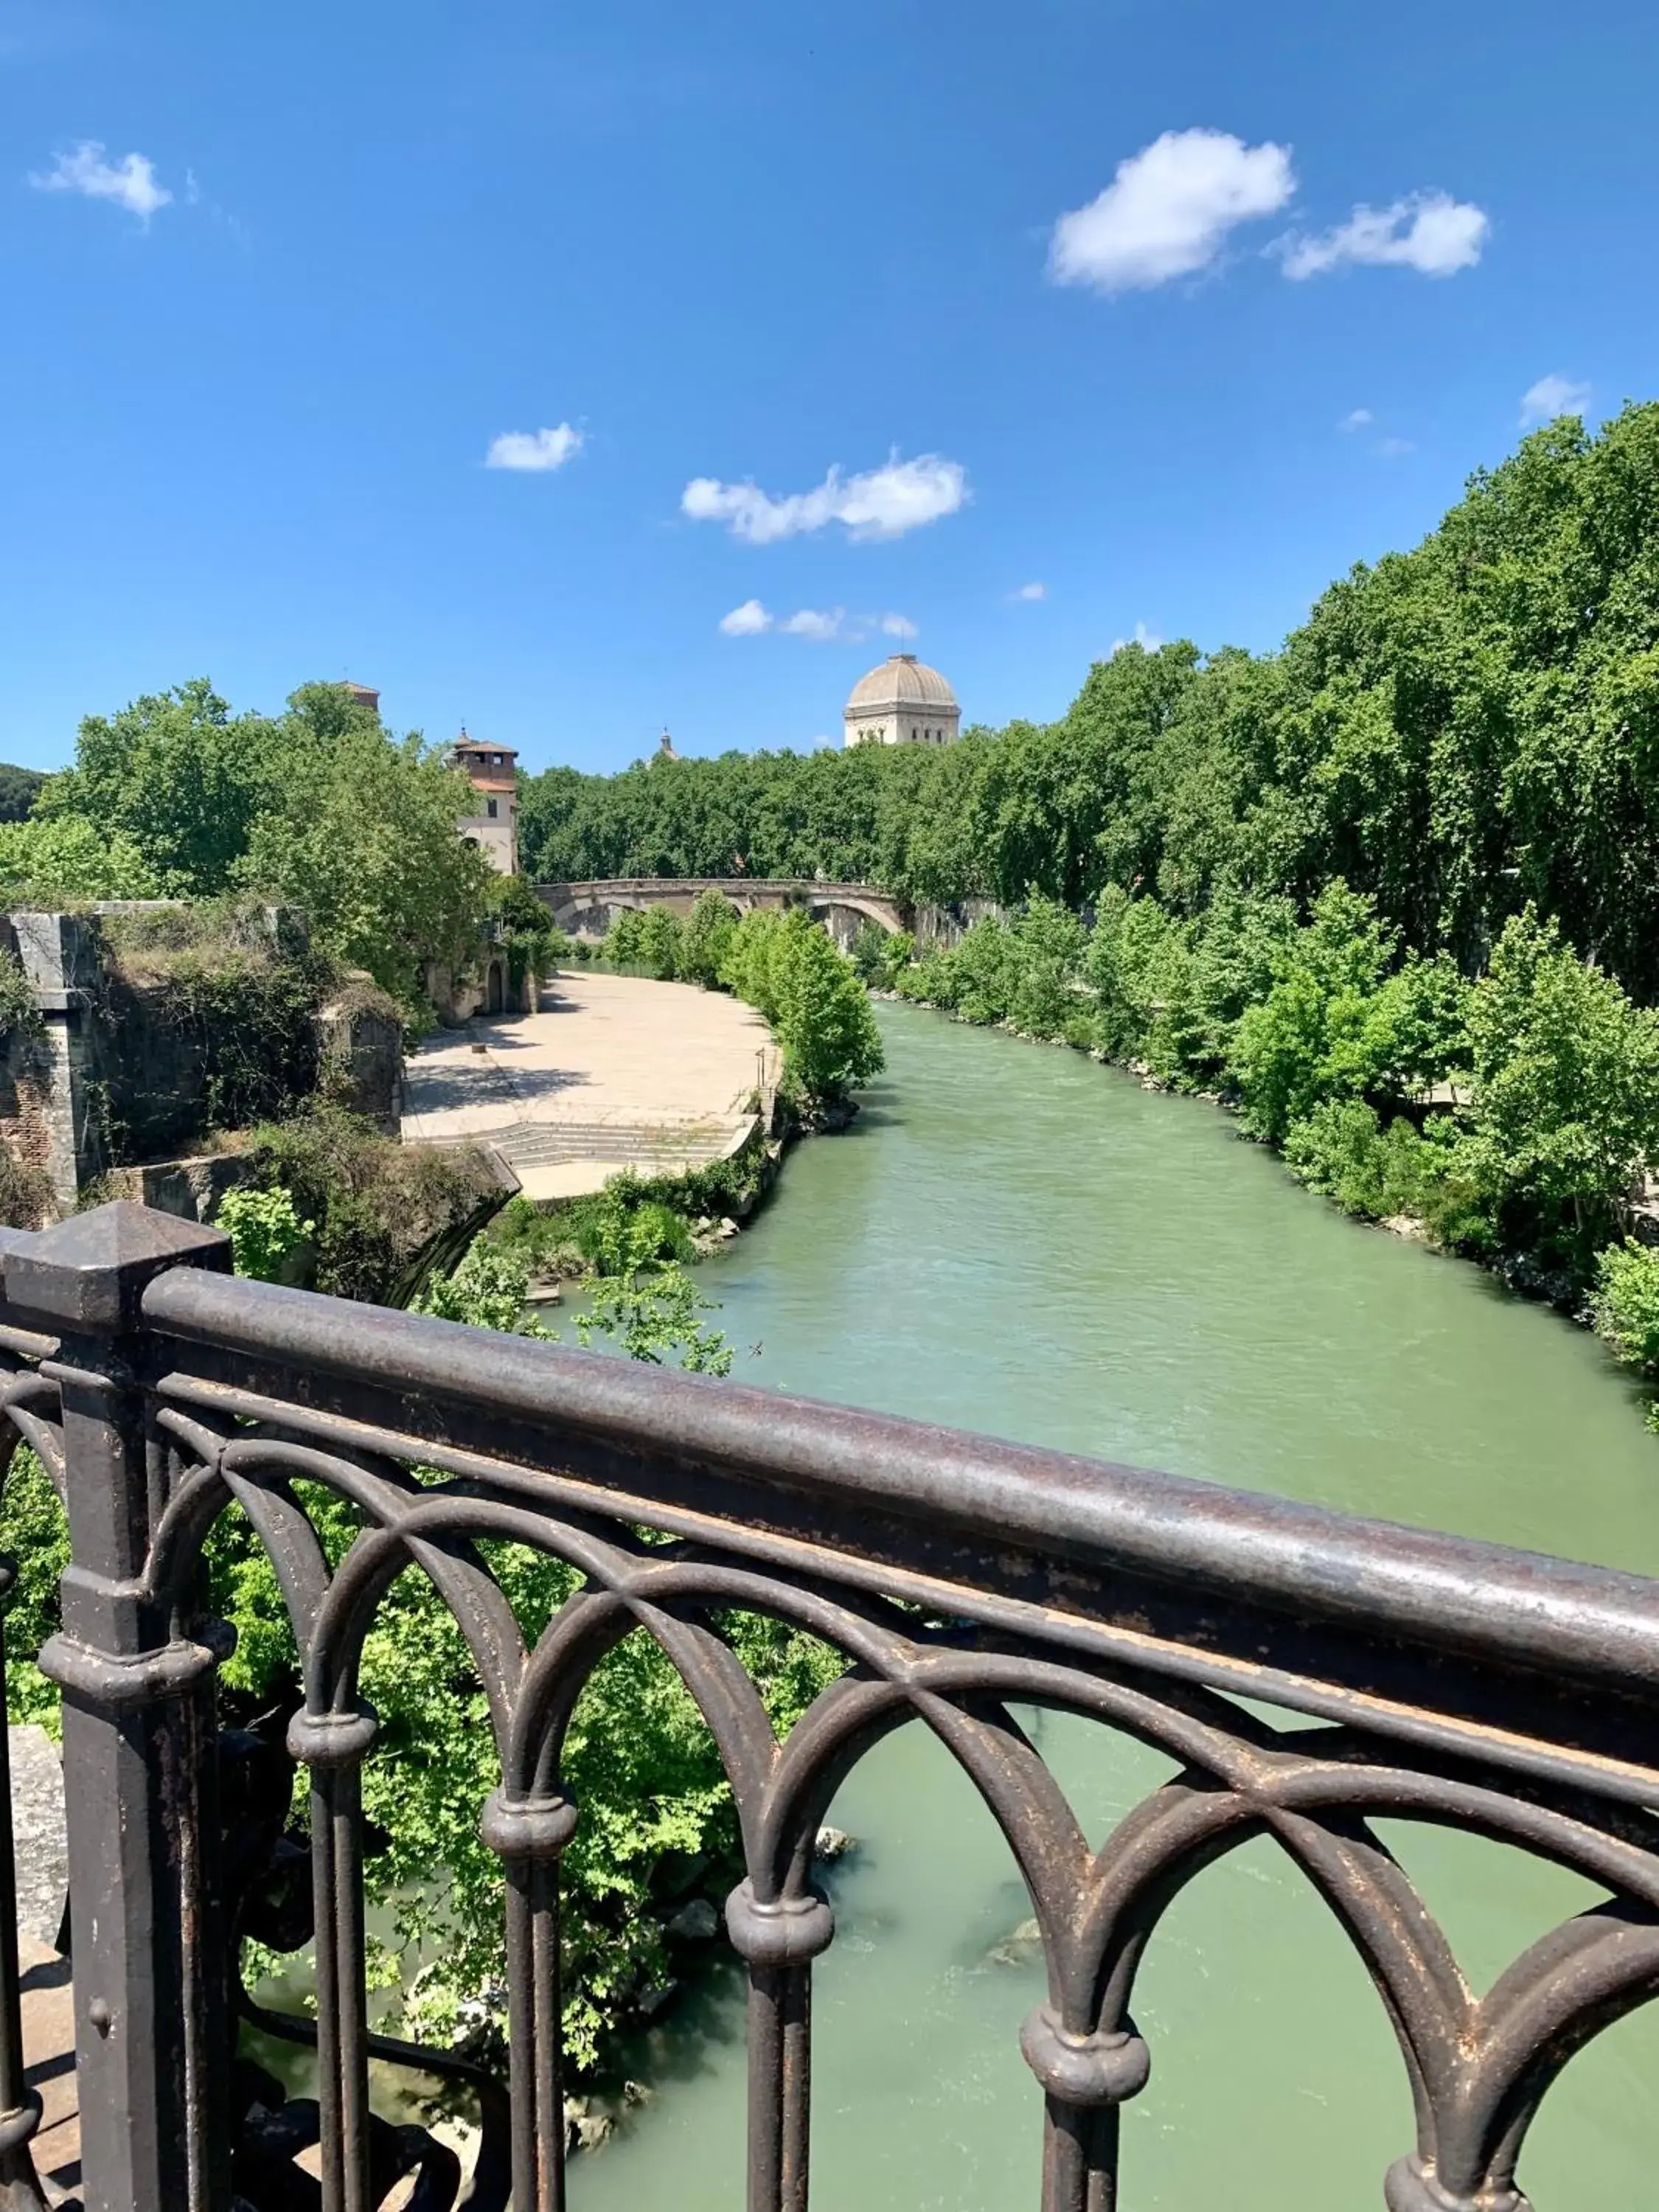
column 545, row 1143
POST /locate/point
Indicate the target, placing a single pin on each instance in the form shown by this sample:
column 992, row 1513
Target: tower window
column 489, row 808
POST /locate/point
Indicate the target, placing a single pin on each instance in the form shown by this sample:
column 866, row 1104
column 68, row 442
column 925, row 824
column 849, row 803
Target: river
column 1012, row 1239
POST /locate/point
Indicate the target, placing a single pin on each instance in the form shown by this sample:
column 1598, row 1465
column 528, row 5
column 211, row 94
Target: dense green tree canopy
column 1454, row 731
column 19, row 789
column 318, row 806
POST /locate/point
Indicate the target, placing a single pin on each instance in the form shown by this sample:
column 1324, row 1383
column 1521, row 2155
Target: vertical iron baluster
column 1080, row 2158
column 528, row 1833
column 779, row 1938
column 20, row 2106
column 333, row 1745
column 209, row 2035
column 1087, row 2075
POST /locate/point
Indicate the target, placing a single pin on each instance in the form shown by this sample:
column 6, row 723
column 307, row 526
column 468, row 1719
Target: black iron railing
column 1490, row 1691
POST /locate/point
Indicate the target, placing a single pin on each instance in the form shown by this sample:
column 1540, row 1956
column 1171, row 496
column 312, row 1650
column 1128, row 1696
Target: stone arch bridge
column 586, row 909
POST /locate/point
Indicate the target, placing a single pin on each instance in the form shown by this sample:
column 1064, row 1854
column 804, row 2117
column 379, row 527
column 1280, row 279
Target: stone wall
column 112, row 1078
column 362, row 1056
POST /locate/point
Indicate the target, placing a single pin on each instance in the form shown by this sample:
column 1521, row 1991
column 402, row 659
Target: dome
column 904, row 681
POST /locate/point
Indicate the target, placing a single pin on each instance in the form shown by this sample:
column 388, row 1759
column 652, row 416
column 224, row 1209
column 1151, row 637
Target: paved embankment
column 611, row 1072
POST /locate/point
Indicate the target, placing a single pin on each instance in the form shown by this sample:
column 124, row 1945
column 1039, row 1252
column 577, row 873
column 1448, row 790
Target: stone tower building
column 902, row 703
column 492, row 772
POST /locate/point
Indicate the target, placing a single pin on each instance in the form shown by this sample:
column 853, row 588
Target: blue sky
column 244, row 430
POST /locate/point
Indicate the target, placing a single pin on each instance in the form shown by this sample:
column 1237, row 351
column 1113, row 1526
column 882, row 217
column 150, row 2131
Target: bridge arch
column 844, row 914
column 587, row 909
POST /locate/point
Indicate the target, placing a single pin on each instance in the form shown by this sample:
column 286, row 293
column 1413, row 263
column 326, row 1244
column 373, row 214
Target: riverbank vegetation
column 1510, row 1115
column 678, row 1215
column 1394, row 889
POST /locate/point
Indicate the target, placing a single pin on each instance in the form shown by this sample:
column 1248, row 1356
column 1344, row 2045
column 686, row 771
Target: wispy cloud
column 1358, row 418
column 1429, row 232
column 1031, row 592
column 1551, row 396
column 1392, row 448
column 131, row 182
column 883, row 502
column 821, row 624
column 1168, row 210
column 534, row 449
column 1143, row 637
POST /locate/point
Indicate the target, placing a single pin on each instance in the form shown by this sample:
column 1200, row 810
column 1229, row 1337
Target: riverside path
column 610, row 1072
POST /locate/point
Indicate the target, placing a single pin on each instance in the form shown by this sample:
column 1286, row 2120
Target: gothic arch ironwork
column 961, row 1581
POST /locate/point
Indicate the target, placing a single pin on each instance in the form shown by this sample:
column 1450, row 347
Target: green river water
column 1012, row 1239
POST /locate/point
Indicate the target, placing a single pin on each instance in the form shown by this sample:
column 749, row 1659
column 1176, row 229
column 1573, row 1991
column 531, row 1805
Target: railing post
column 150, row 2027
column 779, row 1938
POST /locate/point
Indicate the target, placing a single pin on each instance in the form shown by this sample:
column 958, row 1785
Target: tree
column 708, row 933
column 176, row 777
column 1308, row 1040
column 829, row 1035
column 58, row 857
column 361, row 834
column 1566, row 1087
column 19, row 789
column 319, row 807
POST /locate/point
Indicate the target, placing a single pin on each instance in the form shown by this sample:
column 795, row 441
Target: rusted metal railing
column 1450, row 1682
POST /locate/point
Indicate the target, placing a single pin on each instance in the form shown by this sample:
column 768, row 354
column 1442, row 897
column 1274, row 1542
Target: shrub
column 1139, row 962
column 660, row 941
column 621, row 1229
column 380, row 1208
column 525, row 931
column 623, row 942
column 264, row 1230
column 488, row 1290
column 1566, row 1082
column 829, row 1035
column 800, row 983
column 63, row 860
column 1309, row 1039
column 880, row 956
column 1625, row 1303
column 1343, row 1150
column 708, row 938
column 27, row 1200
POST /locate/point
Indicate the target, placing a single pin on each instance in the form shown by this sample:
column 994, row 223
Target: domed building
column 902, row 703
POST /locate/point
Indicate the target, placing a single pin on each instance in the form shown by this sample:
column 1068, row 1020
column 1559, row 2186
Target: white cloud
column 754, row 618
column 1360, row 418
column 534, row 449
column 1168, row 211
column 1551, row 396
column 1392, row 448
column 747, row 621
column 1430, row 232
column 129, row 182
column 1031, row 592
column 883, row 502
column 1143, row 637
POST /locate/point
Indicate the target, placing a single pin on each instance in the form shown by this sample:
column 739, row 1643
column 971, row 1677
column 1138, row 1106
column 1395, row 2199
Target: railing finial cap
column 90, row 1271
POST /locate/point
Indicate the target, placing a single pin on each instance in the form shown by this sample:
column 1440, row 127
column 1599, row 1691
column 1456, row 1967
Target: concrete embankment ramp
column 611, row 1072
